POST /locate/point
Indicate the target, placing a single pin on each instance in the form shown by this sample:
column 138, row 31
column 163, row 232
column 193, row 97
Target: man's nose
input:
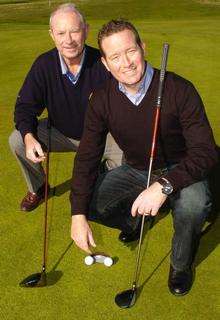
column 126, row 61
column 68, row 37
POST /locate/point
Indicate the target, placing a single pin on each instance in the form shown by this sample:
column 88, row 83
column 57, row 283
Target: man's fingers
column 154, row 211
column 134, row 208
column 39, row 153
column 39, row 150
column 31, row 155
column 83, row 244
column 86, row 249
column 91, row 240
column 33, row 148
column 81, row 233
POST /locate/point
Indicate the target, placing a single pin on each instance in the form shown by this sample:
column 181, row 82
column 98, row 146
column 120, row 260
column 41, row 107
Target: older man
column 61, row 80
column 185, row 154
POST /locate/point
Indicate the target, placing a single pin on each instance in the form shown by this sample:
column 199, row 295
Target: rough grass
column 76, row 291
column 36, row 12
column 213, row 2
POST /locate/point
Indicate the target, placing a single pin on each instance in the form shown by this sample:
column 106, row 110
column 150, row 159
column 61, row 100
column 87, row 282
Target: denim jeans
column 116, row 190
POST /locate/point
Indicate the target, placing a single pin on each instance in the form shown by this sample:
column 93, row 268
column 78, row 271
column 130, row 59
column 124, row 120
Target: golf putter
column 127, row 298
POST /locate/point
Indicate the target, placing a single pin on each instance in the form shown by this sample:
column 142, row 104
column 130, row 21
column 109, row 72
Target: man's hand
column 149, row 201
column 33, row 149
column 81, row 233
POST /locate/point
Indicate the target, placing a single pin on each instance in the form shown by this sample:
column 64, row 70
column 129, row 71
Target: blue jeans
column 116, row 190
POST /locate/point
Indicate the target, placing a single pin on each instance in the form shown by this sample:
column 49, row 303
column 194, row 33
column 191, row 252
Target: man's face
column 69, row 35
column 124, row 58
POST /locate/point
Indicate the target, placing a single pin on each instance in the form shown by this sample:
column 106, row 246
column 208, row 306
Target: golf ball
column 108, row 262
column 89, row 260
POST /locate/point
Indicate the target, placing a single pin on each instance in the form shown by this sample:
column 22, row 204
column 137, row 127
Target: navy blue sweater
column 46, row 87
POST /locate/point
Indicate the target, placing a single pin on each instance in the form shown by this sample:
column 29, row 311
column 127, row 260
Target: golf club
column 127, row 298
column 40, row 279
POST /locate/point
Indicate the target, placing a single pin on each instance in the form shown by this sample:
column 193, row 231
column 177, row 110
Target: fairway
column 77, row 291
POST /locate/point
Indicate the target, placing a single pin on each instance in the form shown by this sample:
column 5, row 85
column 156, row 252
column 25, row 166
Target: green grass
column 192, row 29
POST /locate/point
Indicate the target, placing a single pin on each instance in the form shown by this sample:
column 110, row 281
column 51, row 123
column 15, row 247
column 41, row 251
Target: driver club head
column 34, row 280
column 126, row 299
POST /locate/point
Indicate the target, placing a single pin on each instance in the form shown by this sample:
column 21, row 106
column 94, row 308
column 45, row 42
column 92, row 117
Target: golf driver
column 40, row 279
column 127, row 298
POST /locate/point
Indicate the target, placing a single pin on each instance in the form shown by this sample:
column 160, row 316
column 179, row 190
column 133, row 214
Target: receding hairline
column 66, row 8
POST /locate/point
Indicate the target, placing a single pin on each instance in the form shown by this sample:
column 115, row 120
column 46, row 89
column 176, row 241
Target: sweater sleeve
column 88, row 156
column 201, row 154
column 30, row 101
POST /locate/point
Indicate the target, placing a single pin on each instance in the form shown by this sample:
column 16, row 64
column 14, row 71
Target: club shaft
column 45, row 243
column 152, row 152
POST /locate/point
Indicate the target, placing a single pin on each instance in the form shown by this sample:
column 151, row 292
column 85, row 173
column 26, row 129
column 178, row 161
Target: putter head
column 34, row 280
column 126, row 299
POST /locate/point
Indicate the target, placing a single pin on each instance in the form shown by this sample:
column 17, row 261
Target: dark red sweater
column 185, row 136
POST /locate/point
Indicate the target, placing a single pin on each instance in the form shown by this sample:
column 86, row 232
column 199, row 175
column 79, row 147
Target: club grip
column 162, row 73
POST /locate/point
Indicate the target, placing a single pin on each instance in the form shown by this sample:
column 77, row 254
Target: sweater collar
column 143, row 88
column 65, row 71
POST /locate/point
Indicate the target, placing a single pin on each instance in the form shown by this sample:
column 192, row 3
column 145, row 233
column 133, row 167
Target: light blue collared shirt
column 65, row 71
column 142, row 90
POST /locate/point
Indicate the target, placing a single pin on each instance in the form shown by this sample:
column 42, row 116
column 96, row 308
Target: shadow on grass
column 61, row 188
column 149, row 225
column 211, row 235
column 140, row 288
column 58, row 190
column 209, row 241
column 53, row 276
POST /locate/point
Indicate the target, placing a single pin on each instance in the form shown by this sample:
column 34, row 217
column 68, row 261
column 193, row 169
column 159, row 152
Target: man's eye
column 115, row 58
column 75, row 31
column 131, row 51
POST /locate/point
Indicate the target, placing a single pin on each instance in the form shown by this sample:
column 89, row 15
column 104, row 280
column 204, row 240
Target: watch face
column 167, row 189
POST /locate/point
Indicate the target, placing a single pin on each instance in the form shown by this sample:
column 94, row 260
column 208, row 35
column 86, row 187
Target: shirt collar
column 143, row 87
column 144, row 82
column 66, row 71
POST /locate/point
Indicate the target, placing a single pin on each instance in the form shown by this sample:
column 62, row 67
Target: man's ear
column 143, row 46
column 51, row 34
column 105, row 63
column 86, row 30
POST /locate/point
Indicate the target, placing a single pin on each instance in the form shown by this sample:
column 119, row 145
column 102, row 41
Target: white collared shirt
column 65, row 71
column 142, row 90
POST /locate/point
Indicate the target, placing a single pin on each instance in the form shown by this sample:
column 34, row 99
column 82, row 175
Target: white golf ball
column 89, row 260
column 108, row 262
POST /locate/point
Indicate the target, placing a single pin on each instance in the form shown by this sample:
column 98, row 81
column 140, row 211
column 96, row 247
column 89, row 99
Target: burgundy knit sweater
column 185, row 137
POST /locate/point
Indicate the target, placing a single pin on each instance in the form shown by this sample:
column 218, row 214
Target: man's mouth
column 70, row 48
column 130, row 71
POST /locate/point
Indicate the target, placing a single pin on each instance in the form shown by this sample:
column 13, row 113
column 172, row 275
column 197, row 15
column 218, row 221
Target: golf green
column 77, row 291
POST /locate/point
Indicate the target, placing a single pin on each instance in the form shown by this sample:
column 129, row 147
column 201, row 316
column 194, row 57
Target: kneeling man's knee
column 194, row 201
column 15, row 141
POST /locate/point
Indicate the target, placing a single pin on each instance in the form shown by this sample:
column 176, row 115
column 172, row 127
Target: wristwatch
column 167, row 187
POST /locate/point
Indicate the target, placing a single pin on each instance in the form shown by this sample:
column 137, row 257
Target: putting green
column 77, row 291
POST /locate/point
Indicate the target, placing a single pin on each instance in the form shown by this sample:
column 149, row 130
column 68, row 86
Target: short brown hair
column 115, row 26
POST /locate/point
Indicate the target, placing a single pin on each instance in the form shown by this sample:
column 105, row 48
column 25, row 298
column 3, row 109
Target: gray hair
column 67, row 7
